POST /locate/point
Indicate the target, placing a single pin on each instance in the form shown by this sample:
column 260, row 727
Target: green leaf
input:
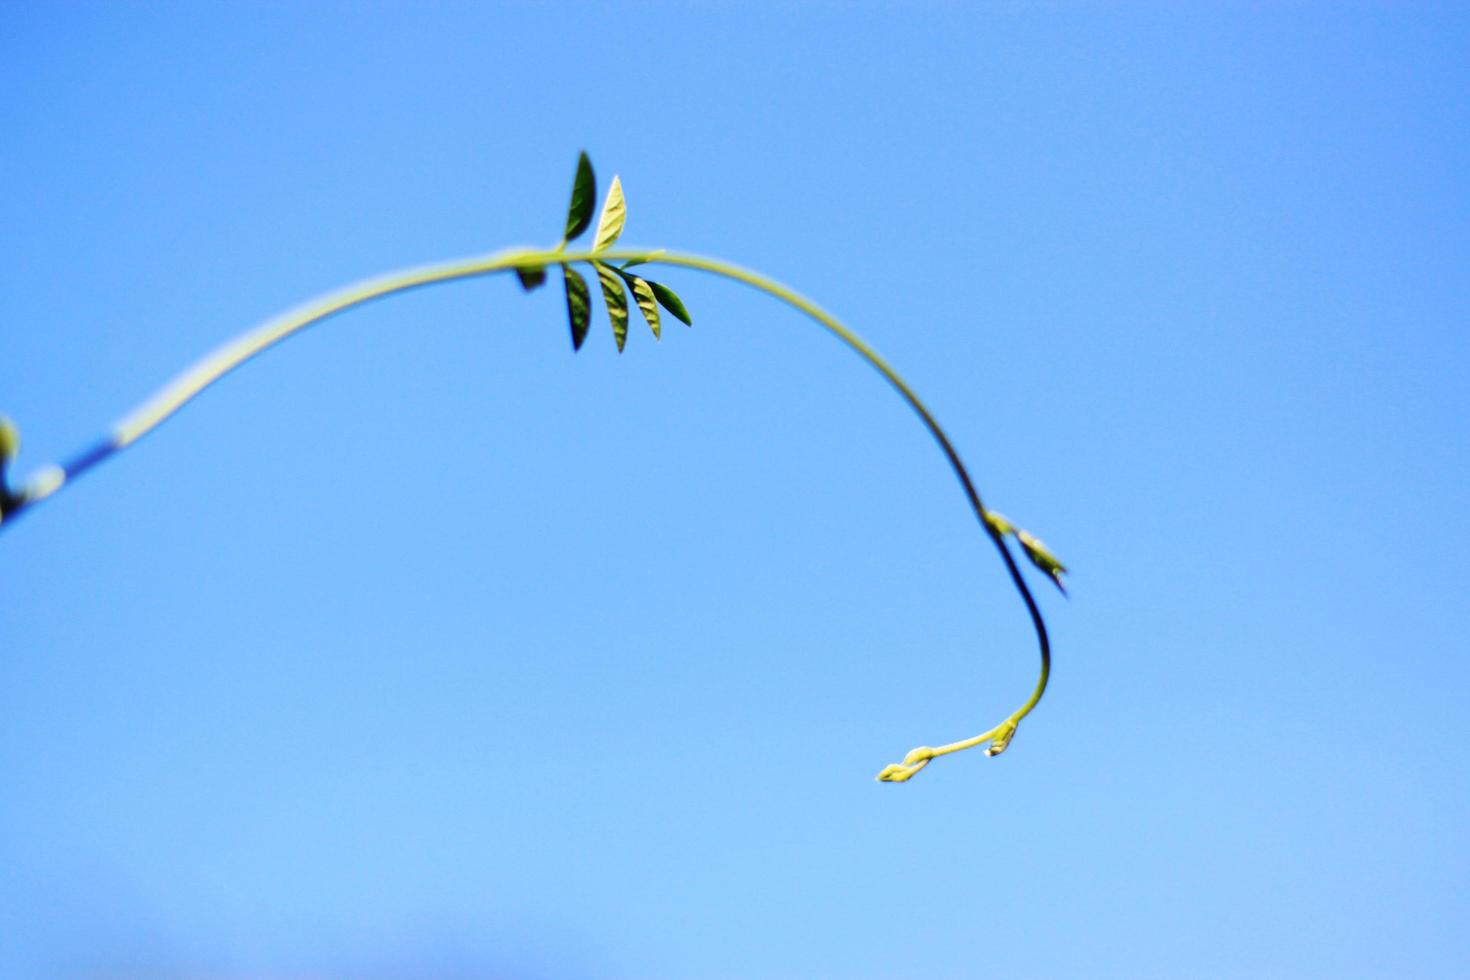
column 647, row 304
column 584, row 198
column 531, row 276
column 614, row 213
column 579, row 305
column 669, row 301
column 617, row 303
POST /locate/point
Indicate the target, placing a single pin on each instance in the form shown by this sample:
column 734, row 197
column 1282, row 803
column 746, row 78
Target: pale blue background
column 423, row 648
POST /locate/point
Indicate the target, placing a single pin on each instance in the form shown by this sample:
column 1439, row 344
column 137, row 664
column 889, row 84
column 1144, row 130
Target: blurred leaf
column 617, row 303
column 647, row 304
column 584, row 198
column 669, row 301
column 579, row 305
column 531, row 276
column 614, row 213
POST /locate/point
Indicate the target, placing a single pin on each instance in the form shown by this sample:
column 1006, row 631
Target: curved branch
column 210, row 369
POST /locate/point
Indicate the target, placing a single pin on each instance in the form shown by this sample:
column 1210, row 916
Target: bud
column 531, row 276
column 1002, row 739
column 1042, row 558
column 998, row 523
column 902, row 772
column 899, row 773
column 9, row 441
column 9, row 447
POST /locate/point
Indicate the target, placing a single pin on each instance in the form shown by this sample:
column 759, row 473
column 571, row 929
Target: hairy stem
column 188, row 385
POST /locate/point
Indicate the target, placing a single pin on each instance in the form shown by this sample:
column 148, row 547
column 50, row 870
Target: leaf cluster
column 615, row 281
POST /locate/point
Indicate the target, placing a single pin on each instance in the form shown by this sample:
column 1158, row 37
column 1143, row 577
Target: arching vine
column 612, row 267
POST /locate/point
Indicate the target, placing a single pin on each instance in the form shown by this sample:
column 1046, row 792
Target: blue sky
column 421, row 647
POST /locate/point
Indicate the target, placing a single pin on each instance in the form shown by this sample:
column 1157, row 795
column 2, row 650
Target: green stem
column 188, row 385
column 918, row 758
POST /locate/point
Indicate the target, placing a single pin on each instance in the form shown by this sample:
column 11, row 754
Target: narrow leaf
column 579, row 305
column 614, row 213
column 617, row 303
column 647, row 304
column 669, row 301
column 531, row 276
column 584, row 198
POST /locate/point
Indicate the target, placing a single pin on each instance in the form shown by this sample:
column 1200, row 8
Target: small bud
column 1042, row 558
column 9, row 447
column 896, row 773
column 46, row 481
column 9, row 441
column 1002, row 739
column 998, row 523
column 902, row 772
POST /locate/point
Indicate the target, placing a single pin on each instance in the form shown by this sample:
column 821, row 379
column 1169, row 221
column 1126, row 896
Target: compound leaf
column 579, row 305
column 614, row 213
column 617, row 303
column 671, row 302
column 584, row 198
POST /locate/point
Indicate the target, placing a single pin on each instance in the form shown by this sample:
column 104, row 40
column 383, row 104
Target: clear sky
column 422, row 648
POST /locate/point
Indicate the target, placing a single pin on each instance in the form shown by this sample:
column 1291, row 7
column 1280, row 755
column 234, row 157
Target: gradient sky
column 421, row 647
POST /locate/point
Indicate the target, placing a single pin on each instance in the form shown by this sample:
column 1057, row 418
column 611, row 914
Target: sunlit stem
column 210, row 369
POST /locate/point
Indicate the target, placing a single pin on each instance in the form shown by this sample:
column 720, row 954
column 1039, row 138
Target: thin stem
column 210, row 369
column 918, row 758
